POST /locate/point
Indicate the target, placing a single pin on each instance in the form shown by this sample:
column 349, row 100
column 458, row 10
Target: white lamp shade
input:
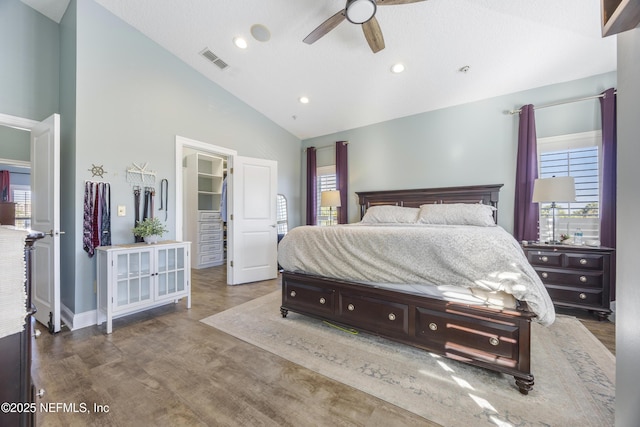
column 556, row 189
column 330, row 199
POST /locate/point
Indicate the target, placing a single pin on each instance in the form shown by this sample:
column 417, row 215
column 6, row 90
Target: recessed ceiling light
column 260, row 32
column 304, row 100
column 240, row 42
column 397, row 68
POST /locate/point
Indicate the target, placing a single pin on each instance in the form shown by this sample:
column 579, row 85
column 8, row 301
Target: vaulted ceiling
column 454, row 52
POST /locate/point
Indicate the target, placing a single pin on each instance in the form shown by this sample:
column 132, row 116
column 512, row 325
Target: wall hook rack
column 139, row 175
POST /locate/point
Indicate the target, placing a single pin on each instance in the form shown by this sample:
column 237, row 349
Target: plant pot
column 151, row 239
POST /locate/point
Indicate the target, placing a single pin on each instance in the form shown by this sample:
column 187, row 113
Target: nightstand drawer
column 552, row 259
column 585, row 261
column 571, row 278
column 575, row 296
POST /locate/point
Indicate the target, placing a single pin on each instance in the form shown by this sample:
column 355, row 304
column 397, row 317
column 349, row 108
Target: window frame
column 569, row 223
column 324, row 215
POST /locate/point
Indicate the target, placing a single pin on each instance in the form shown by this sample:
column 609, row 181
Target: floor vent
column 214, row 58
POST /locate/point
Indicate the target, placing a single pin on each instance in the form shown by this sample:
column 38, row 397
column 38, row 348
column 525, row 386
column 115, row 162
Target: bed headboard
column 487, row 194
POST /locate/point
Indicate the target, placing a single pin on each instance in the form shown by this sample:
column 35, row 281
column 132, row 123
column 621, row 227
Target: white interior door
column 45, row 217
column 253, row 245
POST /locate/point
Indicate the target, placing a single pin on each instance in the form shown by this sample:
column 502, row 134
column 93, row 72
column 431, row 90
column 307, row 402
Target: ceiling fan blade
column 325, row 27
column 394, row 2
column 373, row 34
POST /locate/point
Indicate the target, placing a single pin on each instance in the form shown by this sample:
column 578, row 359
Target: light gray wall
column 68, row 157
column 132, row 99
column 29, row 69
column 628, row 206
column 475, row 143
column 14, row 144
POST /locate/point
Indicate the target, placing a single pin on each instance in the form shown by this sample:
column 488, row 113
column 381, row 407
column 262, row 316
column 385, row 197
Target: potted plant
column 151, row 229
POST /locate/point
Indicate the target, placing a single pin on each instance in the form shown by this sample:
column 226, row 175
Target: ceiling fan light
column 360, row 11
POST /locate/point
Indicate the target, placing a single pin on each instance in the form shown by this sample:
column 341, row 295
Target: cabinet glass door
column 171, row 271
column 133, row 277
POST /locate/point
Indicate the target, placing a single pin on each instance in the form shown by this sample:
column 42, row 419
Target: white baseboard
column 77, row 321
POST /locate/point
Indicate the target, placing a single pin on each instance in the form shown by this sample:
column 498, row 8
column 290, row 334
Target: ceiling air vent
column 214, row 58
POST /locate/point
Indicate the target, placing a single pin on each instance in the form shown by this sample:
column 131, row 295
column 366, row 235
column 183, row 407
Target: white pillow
column 390, row 214
column 457, row 214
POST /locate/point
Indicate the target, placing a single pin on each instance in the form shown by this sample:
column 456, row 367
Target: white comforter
column 486, row 258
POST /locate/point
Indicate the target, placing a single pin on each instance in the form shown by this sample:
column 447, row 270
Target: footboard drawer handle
column 544, row 259
column 583, row 296
column 293, row 293
column 322, row 300
column 433, row 326
column 583, row 261
column 351, row 307
column 583, row 279
column 392, row 316
column 544, row 274
column 494, row 341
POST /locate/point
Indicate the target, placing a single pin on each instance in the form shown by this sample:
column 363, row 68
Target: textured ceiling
column 509, row 45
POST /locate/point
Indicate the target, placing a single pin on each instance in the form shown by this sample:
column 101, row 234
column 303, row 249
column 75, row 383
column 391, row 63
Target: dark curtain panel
column 5, row 185
column 609, row 165
column 525, row 222
column 311, row 186
column 342, row 180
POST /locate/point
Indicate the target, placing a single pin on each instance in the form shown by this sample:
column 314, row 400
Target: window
column 281, row 214
column 326, row 181
column 576, row 155
column 22, row 197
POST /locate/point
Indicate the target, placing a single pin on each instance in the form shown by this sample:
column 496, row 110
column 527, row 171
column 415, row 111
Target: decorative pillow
column 457, row 214
column 390, row 214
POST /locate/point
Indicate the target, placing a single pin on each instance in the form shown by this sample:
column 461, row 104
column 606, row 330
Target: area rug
column 574, row 373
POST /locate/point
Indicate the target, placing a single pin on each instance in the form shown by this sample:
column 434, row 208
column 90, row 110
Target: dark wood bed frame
column 496, row 339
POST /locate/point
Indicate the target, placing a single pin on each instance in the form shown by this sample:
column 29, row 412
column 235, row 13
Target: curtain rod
column 568, row 101
column 324, row 147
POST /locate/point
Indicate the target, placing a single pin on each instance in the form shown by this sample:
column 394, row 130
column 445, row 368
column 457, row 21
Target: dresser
column 137, row 277
column 17, row 387
column 575, row 276
column 203, row 178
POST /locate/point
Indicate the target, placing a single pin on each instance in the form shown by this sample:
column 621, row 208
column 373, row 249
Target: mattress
column 482, row 261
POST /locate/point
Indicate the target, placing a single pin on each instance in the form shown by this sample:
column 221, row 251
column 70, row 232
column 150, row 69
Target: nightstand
column 575, row 276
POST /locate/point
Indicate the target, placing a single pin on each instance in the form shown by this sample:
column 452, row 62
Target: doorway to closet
column 251, row 194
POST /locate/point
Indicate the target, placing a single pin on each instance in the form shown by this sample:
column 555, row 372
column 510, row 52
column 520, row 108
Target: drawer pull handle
column 583, row 296
column 494, row 341
column 351, row 307
column 392, row 316
column 40, row 393
column 544, row 274
column 583, row 261
column 293, row 294
column 433, row 326
column 322, row 300
column 583, row 279
column 544, row 259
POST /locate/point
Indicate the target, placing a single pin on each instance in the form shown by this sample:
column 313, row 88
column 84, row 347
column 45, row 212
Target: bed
column 395, row 292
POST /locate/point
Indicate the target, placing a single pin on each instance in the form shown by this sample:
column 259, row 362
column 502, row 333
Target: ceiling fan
column 358, row 12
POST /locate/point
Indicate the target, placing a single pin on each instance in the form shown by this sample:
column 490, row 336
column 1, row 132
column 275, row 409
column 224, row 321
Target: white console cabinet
column 139, row 276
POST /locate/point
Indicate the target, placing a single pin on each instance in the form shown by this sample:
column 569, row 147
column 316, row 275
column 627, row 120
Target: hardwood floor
column 164, row 367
